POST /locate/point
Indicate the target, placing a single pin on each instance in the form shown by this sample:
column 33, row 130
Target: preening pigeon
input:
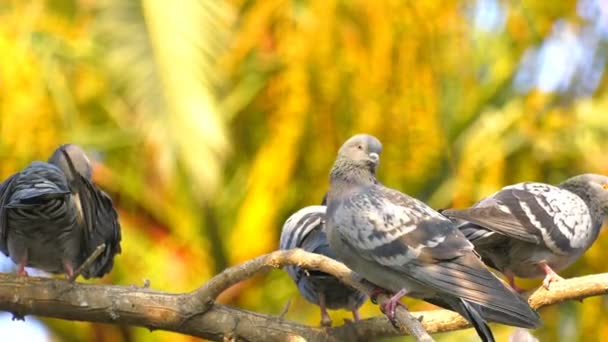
column 306, row 229
column 400, row 244
column 53, row 217
column 533, row 229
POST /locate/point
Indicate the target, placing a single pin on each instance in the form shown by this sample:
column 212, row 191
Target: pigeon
column 53, row 217
column 400, row 244
column 532, row 230
column 306, row 229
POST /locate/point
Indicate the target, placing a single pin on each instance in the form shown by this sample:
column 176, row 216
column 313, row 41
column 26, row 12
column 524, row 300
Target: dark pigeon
column 402, row 245
column 306, row 229
column 533, row 230
column 53, row 217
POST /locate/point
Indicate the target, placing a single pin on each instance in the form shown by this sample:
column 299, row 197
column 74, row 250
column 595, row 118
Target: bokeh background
column 212, row 121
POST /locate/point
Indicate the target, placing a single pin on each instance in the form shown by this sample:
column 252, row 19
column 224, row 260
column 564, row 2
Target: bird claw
column 550, row 276
column 389, row 307
column 69, row 271
column 21, row 269
column 326, row 322
column 325, row 319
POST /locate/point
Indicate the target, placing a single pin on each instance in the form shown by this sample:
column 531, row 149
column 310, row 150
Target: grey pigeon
column 53, row 217
column 306, row 229
column 402, row 245
column 532, row 230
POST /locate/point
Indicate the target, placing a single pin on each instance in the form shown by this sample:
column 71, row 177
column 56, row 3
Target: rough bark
column 196, row 314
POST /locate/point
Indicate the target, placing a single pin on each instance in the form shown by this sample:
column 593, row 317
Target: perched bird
column 306, row 229
column 53, row 217
column 532, row 230
column 402, row 245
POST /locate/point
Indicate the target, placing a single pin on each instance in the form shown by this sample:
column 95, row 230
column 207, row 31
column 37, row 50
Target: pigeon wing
column 533, row 212
column 6, row 189
column 101, row 226
column 297, row 232
column 405, row 235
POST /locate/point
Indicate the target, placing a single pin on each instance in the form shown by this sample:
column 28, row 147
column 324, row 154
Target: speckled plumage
column 400, row 244
column 306, row 229
column 52, row 216
column 533, row 229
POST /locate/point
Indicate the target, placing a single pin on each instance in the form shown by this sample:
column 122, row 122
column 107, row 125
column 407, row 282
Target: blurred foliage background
column 212, row 121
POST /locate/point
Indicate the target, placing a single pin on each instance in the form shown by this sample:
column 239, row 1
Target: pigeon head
column 71, row 158
column 363, row 150
column 358, row 158
column 592, row 188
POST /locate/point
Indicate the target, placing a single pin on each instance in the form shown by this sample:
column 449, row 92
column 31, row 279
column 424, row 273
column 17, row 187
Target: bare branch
column 405, row 322
column 196, row 313
column 435, row 321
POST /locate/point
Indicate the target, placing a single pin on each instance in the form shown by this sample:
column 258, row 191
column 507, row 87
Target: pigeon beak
column 374, row 157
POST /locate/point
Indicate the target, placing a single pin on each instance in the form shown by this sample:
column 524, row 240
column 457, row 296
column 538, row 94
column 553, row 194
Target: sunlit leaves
column 212, row 121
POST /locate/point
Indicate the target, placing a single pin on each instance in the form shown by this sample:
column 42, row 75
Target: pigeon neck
column 351, row 174
column 586, row 193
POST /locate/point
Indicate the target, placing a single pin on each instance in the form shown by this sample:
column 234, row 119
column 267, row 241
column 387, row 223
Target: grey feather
column 527, row 224
column 397, row 242
column 306, row 229
column 52, row 216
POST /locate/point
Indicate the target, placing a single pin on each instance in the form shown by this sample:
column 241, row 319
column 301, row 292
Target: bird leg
column 390, row 305
column 550, row 275
column 511, row 279
column 325, row 319
column 356, row 316
column 21, row 268
column 69, row 270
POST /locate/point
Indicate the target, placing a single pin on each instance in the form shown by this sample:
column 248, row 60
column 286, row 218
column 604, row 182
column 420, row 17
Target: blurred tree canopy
column 212, row 121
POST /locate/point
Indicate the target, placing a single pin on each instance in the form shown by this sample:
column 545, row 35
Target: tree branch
column 405, row 322
column 196, row 313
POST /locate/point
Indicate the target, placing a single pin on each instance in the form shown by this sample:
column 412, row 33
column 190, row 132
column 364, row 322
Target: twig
column 87, row 263
column 285, row 309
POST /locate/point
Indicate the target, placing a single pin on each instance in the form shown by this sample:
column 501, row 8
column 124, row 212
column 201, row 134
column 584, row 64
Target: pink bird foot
column 325, row 319
column 21, row 269
column 550, row 275
column 390, row 305
column 356, row 316
column 511, row 280
column 69, row 270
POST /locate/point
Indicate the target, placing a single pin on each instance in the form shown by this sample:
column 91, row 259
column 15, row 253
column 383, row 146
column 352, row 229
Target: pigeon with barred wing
column 532, row 230
column 306, row 229
column 402, row 245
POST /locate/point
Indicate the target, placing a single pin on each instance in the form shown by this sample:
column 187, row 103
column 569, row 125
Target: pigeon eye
column 605, row 186
column 360, row 147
